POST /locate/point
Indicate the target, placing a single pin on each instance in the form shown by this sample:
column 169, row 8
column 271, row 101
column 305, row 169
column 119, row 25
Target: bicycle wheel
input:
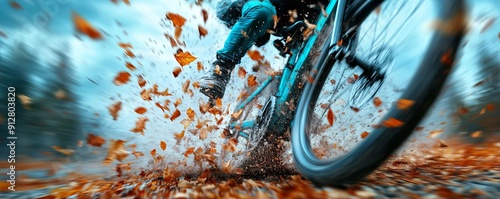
column 391, row 26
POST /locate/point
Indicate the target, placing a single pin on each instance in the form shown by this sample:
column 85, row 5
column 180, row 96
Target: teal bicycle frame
column 293, row 69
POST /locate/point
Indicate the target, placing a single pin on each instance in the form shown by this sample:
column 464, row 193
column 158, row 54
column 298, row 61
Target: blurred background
column 70, row 85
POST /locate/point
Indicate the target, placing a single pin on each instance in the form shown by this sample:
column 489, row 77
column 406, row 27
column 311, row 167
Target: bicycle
column 340, row 42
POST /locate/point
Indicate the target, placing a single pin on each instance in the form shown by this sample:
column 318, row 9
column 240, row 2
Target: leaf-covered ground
column 445, row 171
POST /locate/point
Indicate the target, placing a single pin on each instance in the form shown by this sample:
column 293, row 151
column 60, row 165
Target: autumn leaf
column 15, row 5
column 404, row 104
column 153, row 152
column 202, row 31
column 179, row 136
column 95, row 140
column 364, row 135
column 392, row 123
column 137, row 154
column 173, row 43
column 178, row 102
column 184, row 58
column 114, row 109
column 251, row 81
column 199, row 66
column 242, row 73
column 377, row 102
column 130, row 66
column 205, row 15
column 190, row 113
column 141, row 81
column 490, row 107
column 196, row 85
column 125, row 45
column 218, row 102
column 129, row 53
column 146, row 94
column 163, row 145
column 122, row 78
column 140, row 110
column 255, row 55
column 175, row 115
column 116, row 151
column 189, row 151
column 176, row 19
column 330, row 117
column 140, row 125
column 84, row 27
column 476, row 134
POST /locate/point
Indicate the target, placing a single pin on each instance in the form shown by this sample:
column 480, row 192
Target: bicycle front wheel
column 405, row 38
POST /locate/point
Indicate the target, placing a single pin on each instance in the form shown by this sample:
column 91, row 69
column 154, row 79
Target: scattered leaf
column 141, row 81
column 330, row 117
column 377, row 102
column 462, row 111
column 122, row 78
column 85, row 27
column 205, row 15
column 140, row 110
column 255, row 55
column 95, row 140
column 163, row 145
column 202, row 31
column 190, row 113
column 476, row 134
column 137, row 154
column 114, row 109
column 116, row 151
column 140, row 125
column 218, row 102
column 404, row 104
column 179, row 136
column 63, row 151
column 130, row 66
column 184, row 58
column 364, row 135
column 176, row 71
column 125, row 45
column 392, row 123
column 175, row 115
column 199, row 65
column 153, row 152
column 15, row 5
column 173, row 43
column 178, row 102
column 251, row 81
column 129, row 53
column 189, row 151
column 490, row 107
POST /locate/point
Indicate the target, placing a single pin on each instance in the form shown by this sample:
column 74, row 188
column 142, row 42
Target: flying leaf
column 63, row 151
column 137, row 154
column 175, row 115
column 190, row 113
column 178, row 102
column 404, row 104
column 176, row 71
column 490, row 107
column 125, row 45
column 146, row 94
column 255, row 55
column 242, row 73
column 330, row 117
column 114, row 109
column 377, row 102
column 153, row 152
column 129, row 53
column 95, row 140
column 122, row 78
column 189, row 151
column 202, row 31
column 476, row 134
column 163, row 145
column 199, row 66
column 140, row 125
column 251, row 81
column 84, row 27
column 173, row 43
column 364, row 135
column 205, row 15
column 176, row 19
column 184, row 58
column 392, row 123
column 140, row 110
column 141, row 81
column 15, row 5
column 218, row 102
column 130, row 66
column 116, row 151
column 179, row 136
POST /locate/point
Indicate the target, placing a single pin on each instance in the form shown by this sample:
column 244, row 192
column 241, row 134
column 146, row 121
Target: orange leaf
column 199, row 66
column 393, row 123
column 255, row 55
column 153, row 152
column 179, row 136
column 140, row 110
column 364, row 135
column 404, row 104
column 146, row 94
column 122, row 78
column 178, row 102
column 185, row 86
column 141, row 81
column 377, row 102
column 140, row 125
column 476, row 134
column 175, row 115
column 176, row 19
column 190, row 113
column 205, row 15
column 189, row 151
column 242, row 73
column 330, row 117
column 130, row 66
column 116, row 151
column 163, row 145
column 63, row 151
column 218, row 102
column 196, row 85
column 490, row 107
column 251, row 81
column 173, row 43
column 137, row 154
column 463, row 110
column 184, row 58
column 129, row 53
column 125, row 45
column 15, row 5
column 95, row 140
column 447, row 59
column 114, row 109
column 176, row 71
column 85, row 27
column 202, row 31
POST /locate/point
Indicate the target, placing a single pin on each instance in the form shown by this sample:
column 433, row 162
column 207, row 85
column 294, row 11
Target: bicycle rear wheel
column 377, row 34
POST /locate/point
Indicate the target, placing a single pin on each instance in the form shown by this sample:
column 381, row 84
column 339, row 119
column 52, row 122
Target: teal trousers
column 256, row 18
